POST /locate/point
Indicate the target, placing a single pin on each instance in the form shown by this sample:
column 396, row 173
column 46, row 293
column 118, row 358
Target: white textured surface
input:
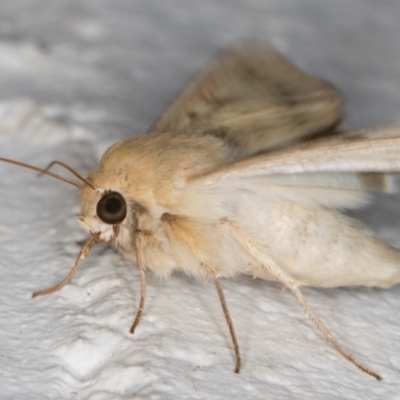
column 76, row 76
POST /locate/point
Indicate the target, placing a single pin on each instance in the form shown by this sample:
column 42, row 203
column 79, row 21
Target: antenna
column 46, row 172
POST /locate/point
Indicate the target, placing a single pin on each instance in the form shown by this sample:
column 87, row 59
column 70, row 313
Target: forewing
column 351, row 161
column 253, row 99
column 361, row 151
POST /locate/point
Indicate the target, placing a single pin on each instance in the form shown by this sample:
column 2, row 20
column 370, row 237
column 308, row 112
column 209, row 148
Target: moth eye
column 111, row 208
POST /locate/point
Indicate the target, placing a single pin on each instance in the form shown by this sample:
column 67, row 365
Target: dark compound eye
column 111, row 208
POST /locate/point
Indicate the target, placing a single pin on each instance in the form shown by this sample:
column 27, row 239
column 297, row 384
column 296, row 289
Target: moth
column 245, row 173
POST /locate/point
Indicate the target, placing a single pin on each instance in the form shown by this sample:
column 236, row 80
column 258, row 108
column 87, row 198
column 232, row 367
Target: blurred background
column 126, row 58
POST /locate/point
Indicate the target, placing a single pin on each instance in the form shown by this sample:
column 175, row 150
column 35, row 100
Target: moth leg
column 287, row 281
column 81, row 257
column 228, row 318
column 142, row 269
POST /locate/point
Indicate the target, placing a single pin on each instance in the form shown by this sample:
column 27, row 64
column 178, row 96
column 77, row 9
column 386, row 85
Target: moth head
column 103, row 211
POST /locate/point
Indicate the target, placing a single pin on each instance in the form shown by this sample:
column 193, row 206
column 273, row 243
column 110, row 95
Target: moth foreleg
column 141, row 263
column 81, row 257
column 287, row 281
column 218, row 286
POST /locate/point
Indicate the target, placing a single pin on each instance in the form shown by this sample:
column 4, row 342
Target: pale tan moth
column 246, row 173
